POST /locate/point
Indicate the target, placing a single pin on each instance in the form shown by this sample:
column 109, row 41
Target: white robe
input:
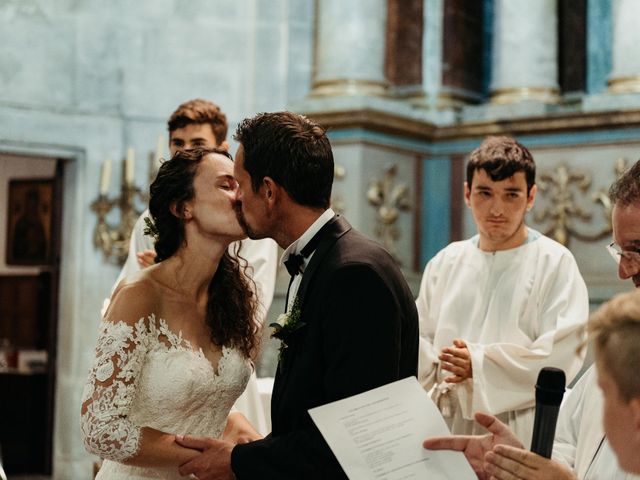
column 580, row 443
column 518, row 310
column 262, row 257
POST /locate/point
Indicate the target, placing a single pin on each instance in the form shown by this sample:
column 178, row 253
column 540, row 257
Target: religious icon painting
column 29, row 222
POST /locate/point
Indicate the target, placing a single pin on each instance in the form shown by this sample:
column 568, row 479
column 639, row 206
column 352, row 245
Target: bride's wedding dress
column 145, row 375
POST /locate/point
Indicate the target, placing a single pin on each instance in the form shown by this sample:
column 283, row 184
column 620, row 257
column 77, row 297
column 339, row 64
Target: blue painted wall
column 436, row 207
column 599, row 44
column 487, row 39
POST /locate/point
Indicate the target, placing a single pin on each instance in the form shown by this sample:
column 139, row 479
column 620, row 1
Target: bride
column 176, row 344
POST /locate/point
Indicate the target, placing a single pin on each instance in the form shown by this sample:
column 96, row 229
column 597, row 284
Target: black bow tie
column 294, row 264
column 296, row 260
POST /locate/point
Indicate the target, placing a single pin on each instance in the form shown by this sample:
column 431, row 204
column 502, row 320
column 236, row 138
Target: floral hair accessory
column 150, row 228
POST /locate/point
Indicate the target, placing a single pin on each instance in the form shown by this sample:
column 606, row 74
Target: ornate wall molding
column 389, row 198
column 424, row 129
column 566, row 190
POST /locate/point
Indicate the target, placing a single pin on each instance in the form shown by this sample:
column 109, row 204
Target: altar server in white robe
column 580, row 450
column 498, row 307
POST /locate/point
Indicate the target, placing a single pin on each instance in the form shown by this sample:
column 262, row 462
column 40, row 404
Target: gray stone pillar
column 525, row 51
column 350, row 47
column 625, row 74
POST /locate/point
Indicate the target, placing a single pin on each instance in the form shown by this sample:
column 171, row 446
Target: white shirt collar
column 300, row 243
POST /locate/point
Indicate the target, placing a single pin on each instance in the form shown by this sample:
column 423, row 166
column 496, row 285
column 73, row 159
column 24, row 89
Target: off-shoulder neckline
column 176, row 341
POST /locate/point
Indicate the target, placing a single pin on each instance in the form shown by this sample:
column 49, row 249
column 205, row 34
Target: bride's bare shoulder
column 135, row 297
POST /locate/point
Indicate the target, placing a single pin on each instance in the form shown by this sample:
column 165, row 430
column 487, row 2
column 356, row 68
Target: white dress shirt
column 296, row 247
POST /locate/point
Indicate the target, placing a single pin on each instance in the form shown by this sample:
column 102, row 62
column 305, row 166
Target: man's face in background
column 626, row 237
column 194, row 135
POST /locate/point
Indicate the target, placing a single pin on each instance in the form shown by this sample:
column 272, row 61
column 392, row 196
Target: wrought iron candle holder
column 113, row 239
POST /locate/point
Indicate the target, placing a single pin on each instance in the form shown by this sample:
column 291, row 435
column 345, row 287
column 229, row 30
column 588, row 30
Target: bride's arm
column 159, row 449
column 239, row 429
column 106, row 401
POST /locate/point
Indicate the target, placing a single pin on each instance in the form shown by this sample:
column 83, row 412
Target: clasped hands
column 214, row 461
column 457, row 360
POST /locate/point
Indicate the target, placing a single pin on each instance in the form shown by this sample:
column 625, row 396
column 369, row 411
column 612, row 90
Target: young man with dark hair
column 581, row 449
column 498, row 307
column 192, row 124
column 351, row 324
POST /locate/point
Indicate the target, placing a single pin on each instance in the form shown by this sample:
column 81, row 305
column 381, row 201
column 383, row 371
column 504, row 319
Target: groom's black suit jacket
column 360, row 332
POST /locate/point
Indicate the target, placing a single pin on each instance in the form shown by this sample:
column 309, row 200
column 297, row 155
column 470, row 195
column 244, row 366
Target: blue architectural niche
column 436, row 207
column 488, row 46
column 599, row 44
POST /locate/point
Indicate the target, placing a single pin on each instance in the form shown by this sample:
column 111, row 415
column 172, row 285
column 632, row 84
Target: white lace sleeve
column 109, row 392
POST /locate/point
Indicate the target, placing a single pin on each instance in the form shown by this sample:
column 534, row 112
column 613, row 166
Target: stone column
column 350, row 47
column 625, row 74
column 525, row 51
column 403, row 65
column 462, row 49
column 432, row 51
column 452, row 50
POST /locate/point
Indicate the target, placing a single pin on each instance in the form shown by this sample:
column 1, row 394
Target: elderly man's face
column 626, row 235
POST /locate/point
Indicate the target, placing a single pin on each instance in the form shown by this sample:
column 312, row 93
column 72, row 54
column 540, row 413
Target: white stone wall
column 85, row 79
column 363, row 164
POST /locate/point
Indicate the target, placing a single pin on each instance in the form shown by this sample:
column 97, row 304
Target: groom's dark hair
column 293, row 151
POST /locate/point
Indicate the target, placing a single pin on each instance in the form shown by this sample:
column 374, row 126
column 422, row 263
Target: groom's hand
column 214, row 463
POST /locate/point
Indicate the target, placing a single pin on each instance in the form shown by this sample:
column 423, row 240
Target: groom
column 351, row 321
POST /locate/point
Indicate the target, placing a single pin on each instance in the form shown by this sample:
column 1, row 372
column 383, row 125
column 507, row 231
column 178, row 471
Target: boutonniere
column 285, row 325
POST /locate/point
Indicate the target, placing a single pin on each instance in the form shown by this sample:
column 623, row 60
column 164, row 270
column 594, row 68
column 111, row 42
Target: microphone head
column 550, row 386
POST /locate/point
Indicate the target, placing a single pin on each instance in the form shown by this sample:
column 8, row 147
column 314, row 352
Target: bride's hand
column 239, row 429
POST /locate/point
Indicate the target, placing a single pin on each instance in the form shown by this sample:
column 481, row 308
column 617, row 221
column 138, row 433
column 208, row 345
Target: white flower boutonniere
column 285, row 325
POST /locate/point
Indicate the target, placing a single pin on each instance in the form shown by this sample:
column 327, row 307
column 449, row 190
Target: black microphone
column 549, row 392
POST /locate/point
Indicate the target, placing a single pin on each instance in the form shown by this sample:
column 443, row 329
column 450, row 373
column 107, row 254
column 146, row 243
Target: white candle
column 105, row 176
column 129, row 166
column 159, row 152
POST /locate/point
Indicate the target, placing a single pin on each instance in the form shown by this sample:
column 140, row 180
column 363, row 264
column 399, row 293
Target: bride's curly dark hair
column 232, row 304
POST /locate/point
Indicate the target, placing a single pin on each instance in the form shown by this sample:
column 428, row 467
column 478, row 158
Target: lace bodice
column 145, row 375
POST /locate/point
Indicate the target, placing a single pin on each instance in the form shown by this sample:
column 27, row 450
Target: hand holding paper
column 378, row 434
